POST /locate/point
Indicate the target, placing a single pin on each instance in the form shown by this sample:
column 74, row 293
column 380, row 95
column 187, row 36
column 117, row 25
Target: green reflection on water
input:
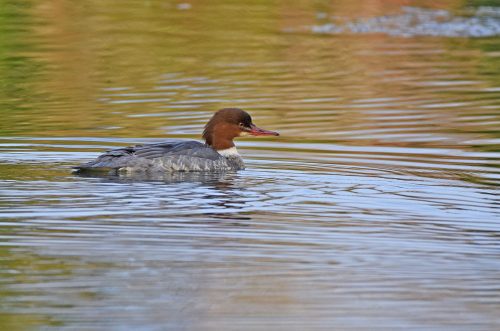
column 17, row 70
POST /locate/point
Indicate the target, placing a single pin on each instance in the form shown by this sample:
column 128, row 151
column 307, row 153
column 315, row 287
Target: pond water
column 376, row 209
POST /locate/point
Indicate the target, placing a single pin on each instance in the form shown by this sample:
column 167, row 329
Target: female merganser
column 217, row 154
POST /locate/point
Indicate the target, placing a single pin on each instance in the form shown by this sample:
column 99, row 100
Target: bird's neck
column 230, row 152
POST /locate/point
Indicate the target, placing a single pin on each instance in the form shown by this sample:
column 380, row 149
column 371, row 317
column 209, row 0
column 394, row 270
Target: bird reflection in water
column 221, row 192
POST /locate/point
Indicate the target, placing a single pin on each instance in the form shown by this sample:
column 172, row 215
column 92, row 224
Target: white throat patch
column 229, row 152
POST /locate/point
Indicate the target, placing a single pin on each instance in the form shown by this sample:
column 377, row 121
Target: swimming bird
column 218, row 153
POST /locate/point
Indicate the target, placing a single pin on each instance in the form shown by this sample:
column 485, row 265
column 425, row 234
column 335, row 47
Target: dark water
column 376, row 209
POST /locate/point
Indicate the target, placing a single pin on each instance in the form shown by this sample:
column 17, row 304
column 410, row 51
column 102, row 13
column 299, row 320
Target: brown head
column 229, row 123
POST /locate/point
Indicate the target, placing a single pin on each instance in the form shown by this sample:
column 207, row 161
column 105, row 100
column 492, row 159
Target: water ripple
column 416, row 21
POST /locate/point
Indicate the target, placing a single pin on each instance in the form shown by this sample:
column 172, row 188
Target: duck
column 216, row 154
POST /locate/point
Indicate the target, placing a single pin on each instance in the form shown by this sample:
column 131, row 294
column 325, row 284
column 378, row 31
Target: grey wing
column 112, row 159
column 181, row 156
column 167, row 149
column 169, row 155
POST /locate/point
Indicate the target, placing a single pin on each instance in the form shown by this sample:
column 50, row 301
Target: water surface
column 377, row 208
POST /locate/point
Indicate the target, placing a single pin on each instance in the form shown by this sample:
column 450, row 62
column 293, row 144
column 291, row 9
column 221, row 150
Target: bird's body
column 168, row 156
column 216, row 155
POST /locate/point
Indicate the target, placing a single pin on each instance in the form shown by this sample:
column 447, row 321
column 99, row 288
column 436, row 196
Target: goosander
column 218, row 153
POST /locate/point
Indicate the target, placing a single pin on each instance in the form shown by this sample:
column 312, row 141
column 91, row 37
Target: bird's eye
column 241, row 125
